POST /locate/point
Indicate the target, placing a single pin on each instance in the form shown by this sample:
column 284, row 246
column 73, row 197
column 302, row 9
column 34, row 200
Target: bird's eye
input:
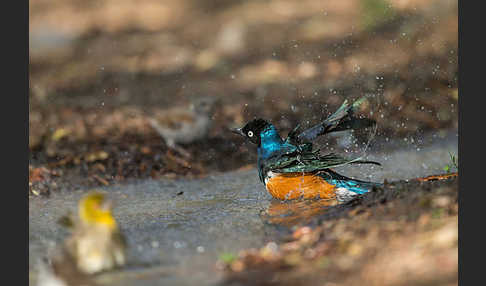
column 250, row 133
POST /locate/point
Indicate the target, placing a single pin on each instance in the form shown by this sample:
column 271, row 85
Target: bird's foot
column 180, row 151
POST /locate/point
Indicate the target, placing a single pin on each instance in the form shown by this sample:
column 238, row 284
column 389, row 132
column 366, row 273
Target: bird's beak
column 237, row 131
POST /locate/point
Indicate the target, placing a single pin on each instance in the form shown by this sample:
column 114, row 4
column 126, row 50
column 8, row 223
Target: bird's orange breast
column 299, row 185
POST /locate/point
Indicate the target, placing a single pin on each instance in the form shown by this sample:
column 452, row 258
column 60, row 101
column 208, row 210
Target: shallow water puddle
column 294, row 212
column 176, row 230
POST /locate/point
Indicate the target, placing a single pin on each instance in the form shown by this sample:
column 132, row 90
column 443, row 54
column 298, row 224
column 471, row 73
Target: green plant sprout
column 227, row 257
column 454, row 163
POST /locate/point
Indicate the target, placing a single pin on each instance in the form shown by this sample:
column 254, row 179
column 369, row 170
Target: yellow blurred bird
column 96, row 243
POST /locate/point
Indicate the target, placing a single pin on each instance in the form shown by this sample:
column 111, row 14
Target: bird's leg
column 178, row 149
column 169, row 142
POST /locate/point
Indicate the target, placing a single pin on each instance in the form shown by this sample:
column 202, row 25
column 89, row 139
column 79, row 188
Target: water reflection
column 292, row 212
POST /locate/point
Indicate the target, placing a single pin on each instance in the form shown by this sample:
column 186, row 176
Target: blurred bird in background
column 95, row 244
column 184, row 125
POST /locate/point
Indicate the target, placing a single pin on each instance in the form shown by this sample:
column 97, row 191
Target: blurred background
column 99, row 69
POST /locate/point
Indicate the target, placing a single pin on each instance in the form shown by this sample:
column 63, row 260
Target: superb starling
column 290, row 169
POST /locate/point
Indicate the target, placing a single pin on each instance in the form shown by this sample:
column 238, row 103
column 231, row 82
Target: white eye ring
column 250, row 133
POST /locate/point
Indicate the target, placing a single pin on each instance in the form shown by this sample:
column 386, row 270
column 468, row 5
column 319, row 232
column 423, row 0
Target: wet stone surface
column 164, row 229
column 177, row 229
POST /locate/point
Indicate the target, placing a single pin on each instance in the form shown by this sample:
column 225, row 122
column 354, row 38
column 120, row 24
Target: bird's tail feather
column 340, row 120
column 353, row 185
column 343, row 118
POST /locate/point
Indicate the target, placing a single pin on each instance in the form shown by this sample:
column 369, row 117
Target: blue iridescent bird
column 290, row 169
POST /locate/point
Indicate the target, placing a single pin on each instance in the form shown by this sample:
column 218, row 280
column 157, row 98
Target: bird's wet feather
column 290, row 169
column 299, row 185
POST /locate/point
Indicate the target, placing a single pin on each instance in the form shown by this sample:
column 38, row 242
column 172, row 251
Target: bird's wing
column 119, row 239
column 311, row 162
column 67, row 220
column 340, row 120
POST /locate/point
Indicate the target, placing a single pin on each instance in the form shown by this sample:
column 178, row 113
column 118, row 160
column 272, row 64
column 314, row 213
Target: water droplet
column 178, row 244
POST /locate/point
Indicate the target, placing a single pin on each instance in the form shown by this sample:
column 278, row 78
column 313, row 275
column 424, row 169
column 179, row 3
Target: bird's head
column 95, row 209
column 252, row 130
column 204, row 105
